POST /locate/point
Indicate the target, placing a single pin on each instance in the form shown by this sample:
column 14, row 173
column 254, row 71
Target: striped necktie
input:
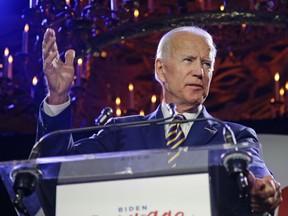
column 175, row 138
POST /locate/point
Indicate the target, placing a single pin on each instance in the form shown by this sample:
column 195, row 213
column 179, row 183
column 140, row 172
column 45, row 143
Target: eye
column 188, row 59
column 207, row 64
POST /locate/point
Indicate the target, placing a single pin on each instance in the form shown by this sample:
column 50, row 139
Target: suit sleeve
column 258, row 166
column 55, row 145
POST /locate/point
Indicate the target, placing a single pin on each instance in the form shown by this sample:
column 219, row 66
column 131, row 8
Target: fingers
column 265, row 194
column 49, row 46
column 69, row 57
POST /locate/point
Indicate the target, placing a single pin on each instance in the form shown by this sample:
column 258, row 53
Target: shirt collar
column 187, row 115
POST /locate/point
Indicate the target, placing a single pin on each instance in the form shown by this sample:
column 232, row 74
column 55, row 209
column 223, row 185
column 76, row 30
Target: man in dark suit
column 184, row 66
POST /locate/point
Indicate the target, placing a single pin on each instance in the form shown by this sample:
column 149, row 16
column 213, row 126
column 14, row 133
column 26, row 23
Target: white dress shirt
column 185, row 126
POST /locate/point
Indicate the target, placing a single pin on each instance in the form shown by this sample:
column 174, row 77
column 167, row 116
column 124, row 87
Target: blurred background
column 115, row 43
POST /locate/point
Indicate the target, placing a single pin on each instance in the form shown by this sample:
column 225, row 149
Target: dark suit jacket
column 202, row 133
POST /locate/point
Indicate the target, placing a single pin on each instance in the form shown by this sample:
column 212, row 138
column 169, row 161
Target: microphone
column 229, row 135
column 104, row 116
column 236, row 162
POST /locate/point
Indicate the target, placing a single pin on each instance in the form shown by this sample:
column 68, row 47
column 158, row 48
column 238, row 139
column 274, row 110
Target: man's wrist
column 57, row 99
column 53, row 110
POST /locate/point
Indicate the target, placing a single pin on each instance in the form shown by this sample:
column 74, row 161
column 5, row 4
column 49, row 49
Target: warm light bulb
column 276, row 77
column 34, row 81
column 103, row 54
column 118, row 112
column 286, row 86
column 153, row 99
column 136, row 13
column 26, row 28
column 118, row 101
column 6, row 52
column 243, row 25
column 130, row 87
column 142, row 112
column 80, row 61
column 222, row 7
column 281, row 91
column 10, row 59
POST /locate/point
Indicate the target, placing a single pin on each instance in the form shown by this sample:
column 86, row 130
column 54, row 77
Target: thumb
column 252, row 181
column 69, row 56
column 251, row 178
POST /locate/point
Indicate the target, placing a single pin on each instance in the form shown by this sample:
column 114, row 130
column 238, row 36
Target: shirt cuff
column 53, row 110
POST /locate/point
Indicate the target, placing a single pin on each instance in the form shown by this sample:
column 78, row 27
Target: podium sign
column 166, row 195
column 133, row 183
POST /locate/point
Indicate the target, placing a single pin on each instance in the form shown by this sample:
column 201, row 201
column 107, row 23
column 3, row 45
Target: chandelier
column 90, row 26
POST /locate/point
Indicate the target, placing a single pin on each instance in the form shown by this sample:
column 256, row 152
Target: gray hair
column 164, row 44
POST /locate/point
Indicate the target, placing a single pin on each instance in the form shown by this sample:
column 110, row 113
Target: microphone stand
column 236, row 163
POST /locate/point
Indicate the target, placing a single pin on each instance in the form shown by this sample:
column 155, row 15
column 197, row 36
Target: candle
column 68, row 3
column 32, row 3
column 5, row 62
column 25, row 39
column 150, row 6
column 10, row 67
column 131, row 95
column 79, row 71
column 136, row 15
column 34, row 83
column 282, row 107
column 153, row 102
column 118, row 103
column 276, row 79
column 281, row 93
column 286, row 94
column 113, row 6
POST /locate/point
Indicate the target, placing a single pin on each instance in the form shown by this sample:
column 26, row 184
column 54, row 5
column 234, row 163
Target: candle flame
column 118, row 112
column 281, row 91
column 142, row 112
column 153, row 99
column 103, row 54
column 80, row 61
column 26, row 28
column 10, row 59
column 286, row 86
column 118, row 101
column 136, row 13
column 276, row 77
column 6, row 52
column 34, row 81
column 130, row 87
column 222, row 7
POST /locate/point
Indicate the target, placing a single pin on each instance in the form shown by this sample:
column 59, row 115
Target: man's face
column 186, row 73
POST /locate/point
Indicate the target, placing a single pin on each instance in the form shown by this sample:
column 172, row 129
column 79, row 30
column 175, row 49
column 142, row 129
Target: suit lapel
column 155, row 135
column 201, row 132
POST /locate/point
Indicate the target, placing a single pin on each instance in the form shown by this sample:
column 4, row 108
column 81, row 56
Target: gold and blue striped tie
column 175, row 138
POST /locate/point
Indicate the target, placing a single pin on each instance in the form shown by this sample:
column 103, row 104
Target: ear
column 159, row 70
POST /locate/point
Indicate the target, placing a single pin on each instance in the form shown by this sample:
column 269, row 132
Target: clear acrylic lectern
column 135, row 183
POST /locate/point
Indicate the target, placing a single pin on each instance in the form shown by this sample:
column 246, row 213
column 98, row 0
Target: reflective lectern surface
column 225, row 195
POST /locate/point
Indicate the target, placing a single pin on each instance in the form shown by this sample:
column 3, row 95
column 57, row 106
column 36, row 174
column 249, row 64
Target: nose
column 198, row 70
